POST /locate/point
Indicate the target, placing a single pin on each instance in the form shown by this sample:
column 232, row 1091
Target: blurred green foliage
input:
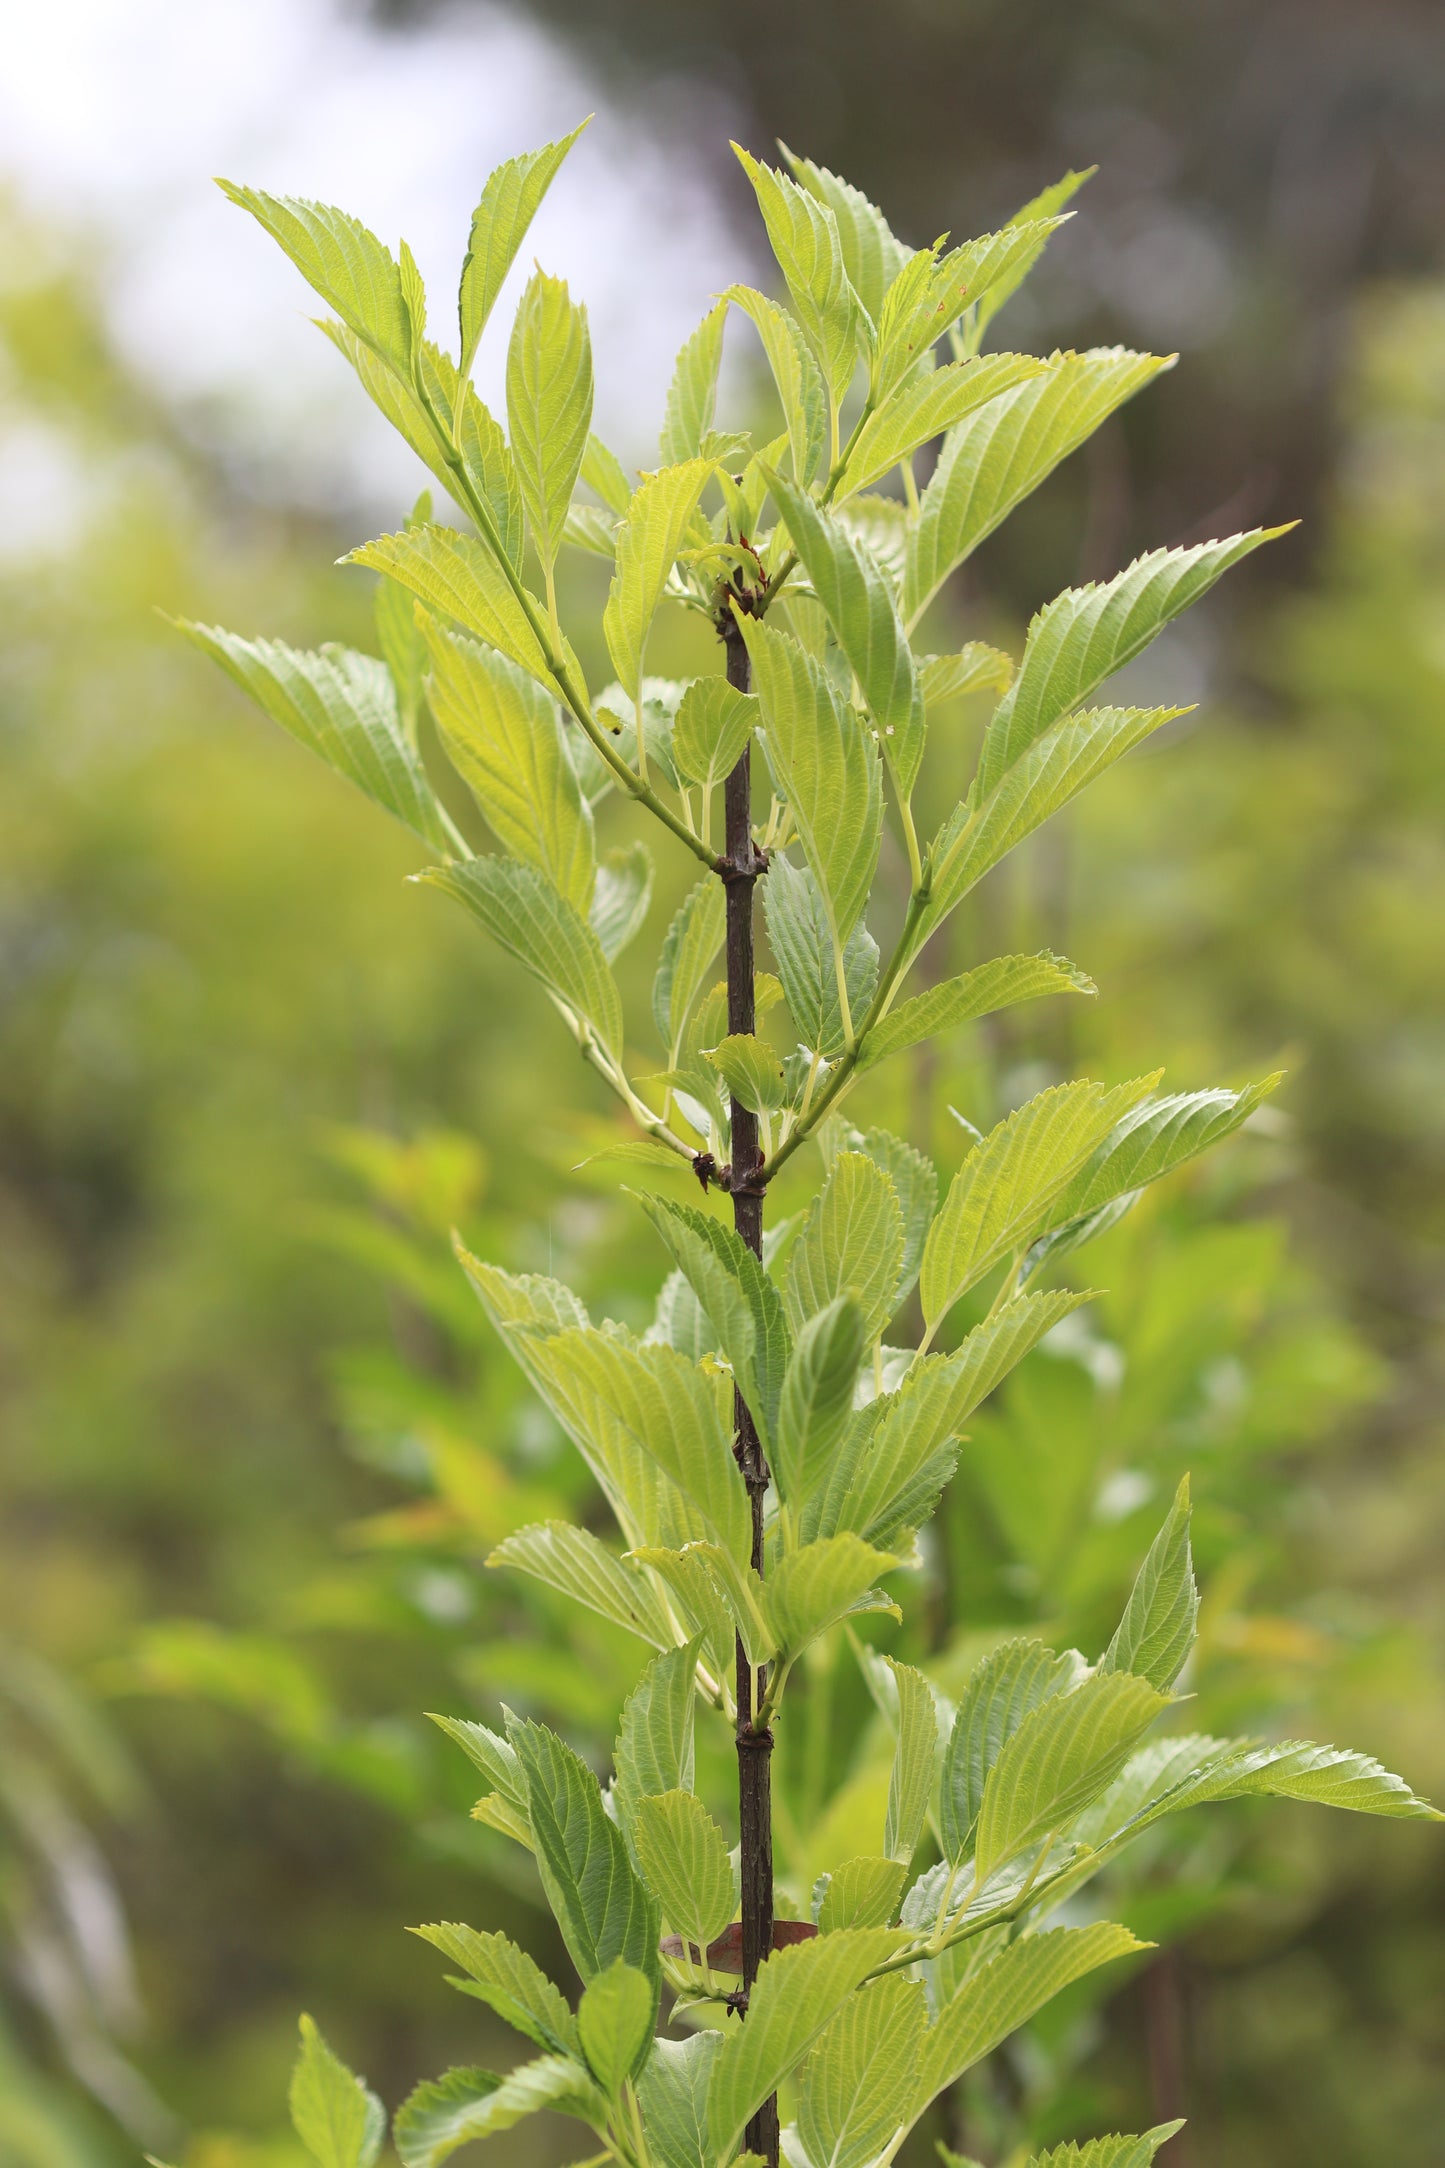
column 256, row 1443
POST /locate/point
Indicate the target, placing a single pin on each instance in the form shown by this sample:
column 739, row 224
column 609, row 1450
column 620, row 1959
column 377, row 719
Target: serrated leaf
column 1116, row 2151
column 648, row 541
column 549, row 404
column 603, row 472
column 999, row 984
column 578, row 1564
column 860, row 2081
column 817, row 1398
column 915, row 1184
column 462, row 579
column 1156, row 1633
column 493, row 1755
column 1001, row 453
column 340, row 2122
column 752, row 1071
column 524, row 913
column 872, row 256
column 1009, row 1180
column 341, row 705
column 698, row 1599
column 1062, row 1755
column 740, row 1301
column 1043, row 211
column 621, row 895
column 797, row 1992
column 714, row 723
column 924, row 407
column 975, row 668
column 688, row 951
column 354, row 273
column 449, row 2112
column 812, row 1589
column 672, row 2089
column 1284, row 1769
column 1008, row 1685
column 862, row 1892
column 600, row 1904
column 805, row 240
column 509, row 202
column 799, row 934
column 932, row 292
column 1006, row 1992
column 910, row 1782
column 654, row 1751
column 851, row 1244
column 404, row 650
column 684, row 1856
column 692, row 394
column 509, row 1982
column 797, row 377
column 1087, row 633
column 615, row 2021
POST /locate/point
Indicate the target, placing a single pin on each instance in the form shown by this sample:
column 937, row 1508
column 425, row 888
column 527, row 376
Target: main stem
column 755, row 1745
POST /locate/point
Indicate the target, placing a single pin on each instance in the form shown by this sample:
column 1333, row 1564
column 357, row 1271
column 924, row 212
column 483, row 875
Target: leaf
column 932, row 292
column 861, row 1893
column 451, row 573
column 910, row 1783
column 549, row 404
column 1156, row 1633
column 1008, row 1685
column 1041, row 211
column 915, row 1184
column 860, row 609
column 752, row 1071
column 796, row 1993
column 872, row 256
column 503, row 735
column 354, row 273
column 698, row 1599
column 738, row 1298
column 817, row 1398
column 672, row 2090
column 710, row 735
column 450, row 2112
column 509, row 1982
column 688, row 950
column 797, row 378
column 1060, row 1757
column 340, row 2122
column 655, row 1741
column 1001, row 453
column 600, row 1905
column 1325, row 1776
column 975, row 668
column 577, row 1564
column 924, row 406
column 797, row 922
column 648, row 541
column 684, row 1856
column 826, row 765
column 812, row 1589
column 851, row 1244
column 692, row 394
column 858, row 2088
column 509, row 203
column 524, row 913
column 1087, row 633
column 999, row 984
column 339, row 704
column 1009, row 1180
column 805, row 240
column 1006, row 1992
column 397, row 635
column 602, row 471
column 495, row 1758
column 615, row 2021
column 1112, row 2152
column 620, row 898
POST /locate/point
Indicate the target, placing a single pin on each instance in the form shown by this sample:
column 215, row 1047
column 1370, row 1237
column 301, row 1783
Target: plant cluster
column 773, row 1447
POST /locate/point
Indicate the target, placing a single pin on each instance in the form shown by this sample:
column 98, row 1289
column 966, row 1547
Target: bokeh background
column 255, row 1443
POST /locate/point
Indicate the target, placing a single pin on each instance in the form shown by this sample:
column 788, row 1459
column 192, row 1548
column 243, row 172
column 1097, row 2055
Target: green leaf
column 1087, row 633
column 924, row 406
column 648, row 541
column 655, row 1741
column 817, row 1397
column 494, row 1756
column 1222, row 1769
column 600, row 1905
column 1062, row 1755
column 915, row 1184
column 615, row 2021
column 860, row 609
column 523, row 912
column 672, row 2090
column 1156, row 1633
column 860, row 2081
column 503, row 735
column 714, row 723
column 999, row 984
column 872, row 256
column 797, row 1992
column 851, row 1244
column 699, row 1599
column 910, row 1783
column 354, row 273
column 685, row 966
column 975, row 668
column 692, row 393
column 1001, row 453
column 620, row 898
column 341, row 2123
column 577, row 1564
column 1006, row 1992
column 931, row 292
column 462, row 579
column 861, row 1893
column 752, row 1071
column 1009, row 1180
column 509, row 203
column 684, row 1856
column 740, row 1302
column 826, row 765
column 812, row 1589
column 603, row 472
column 549, row 404
column 1008, row 1685
column 805, row 240
column 797, row 378
column 449, row 2112
column 341, row 705
column 509, row 1982
column 800, row 936
column 1038, row 219
column 398, row 636
column 1112, row 2152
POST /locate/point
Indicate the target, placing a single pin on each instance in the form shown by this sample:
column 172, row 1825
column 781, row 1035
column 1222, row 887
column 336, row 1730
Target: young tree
column 769, row 1454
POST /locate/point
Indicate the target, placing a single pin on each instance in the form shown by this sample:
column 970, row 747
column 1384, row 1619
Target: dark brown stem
column 755, row 1746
